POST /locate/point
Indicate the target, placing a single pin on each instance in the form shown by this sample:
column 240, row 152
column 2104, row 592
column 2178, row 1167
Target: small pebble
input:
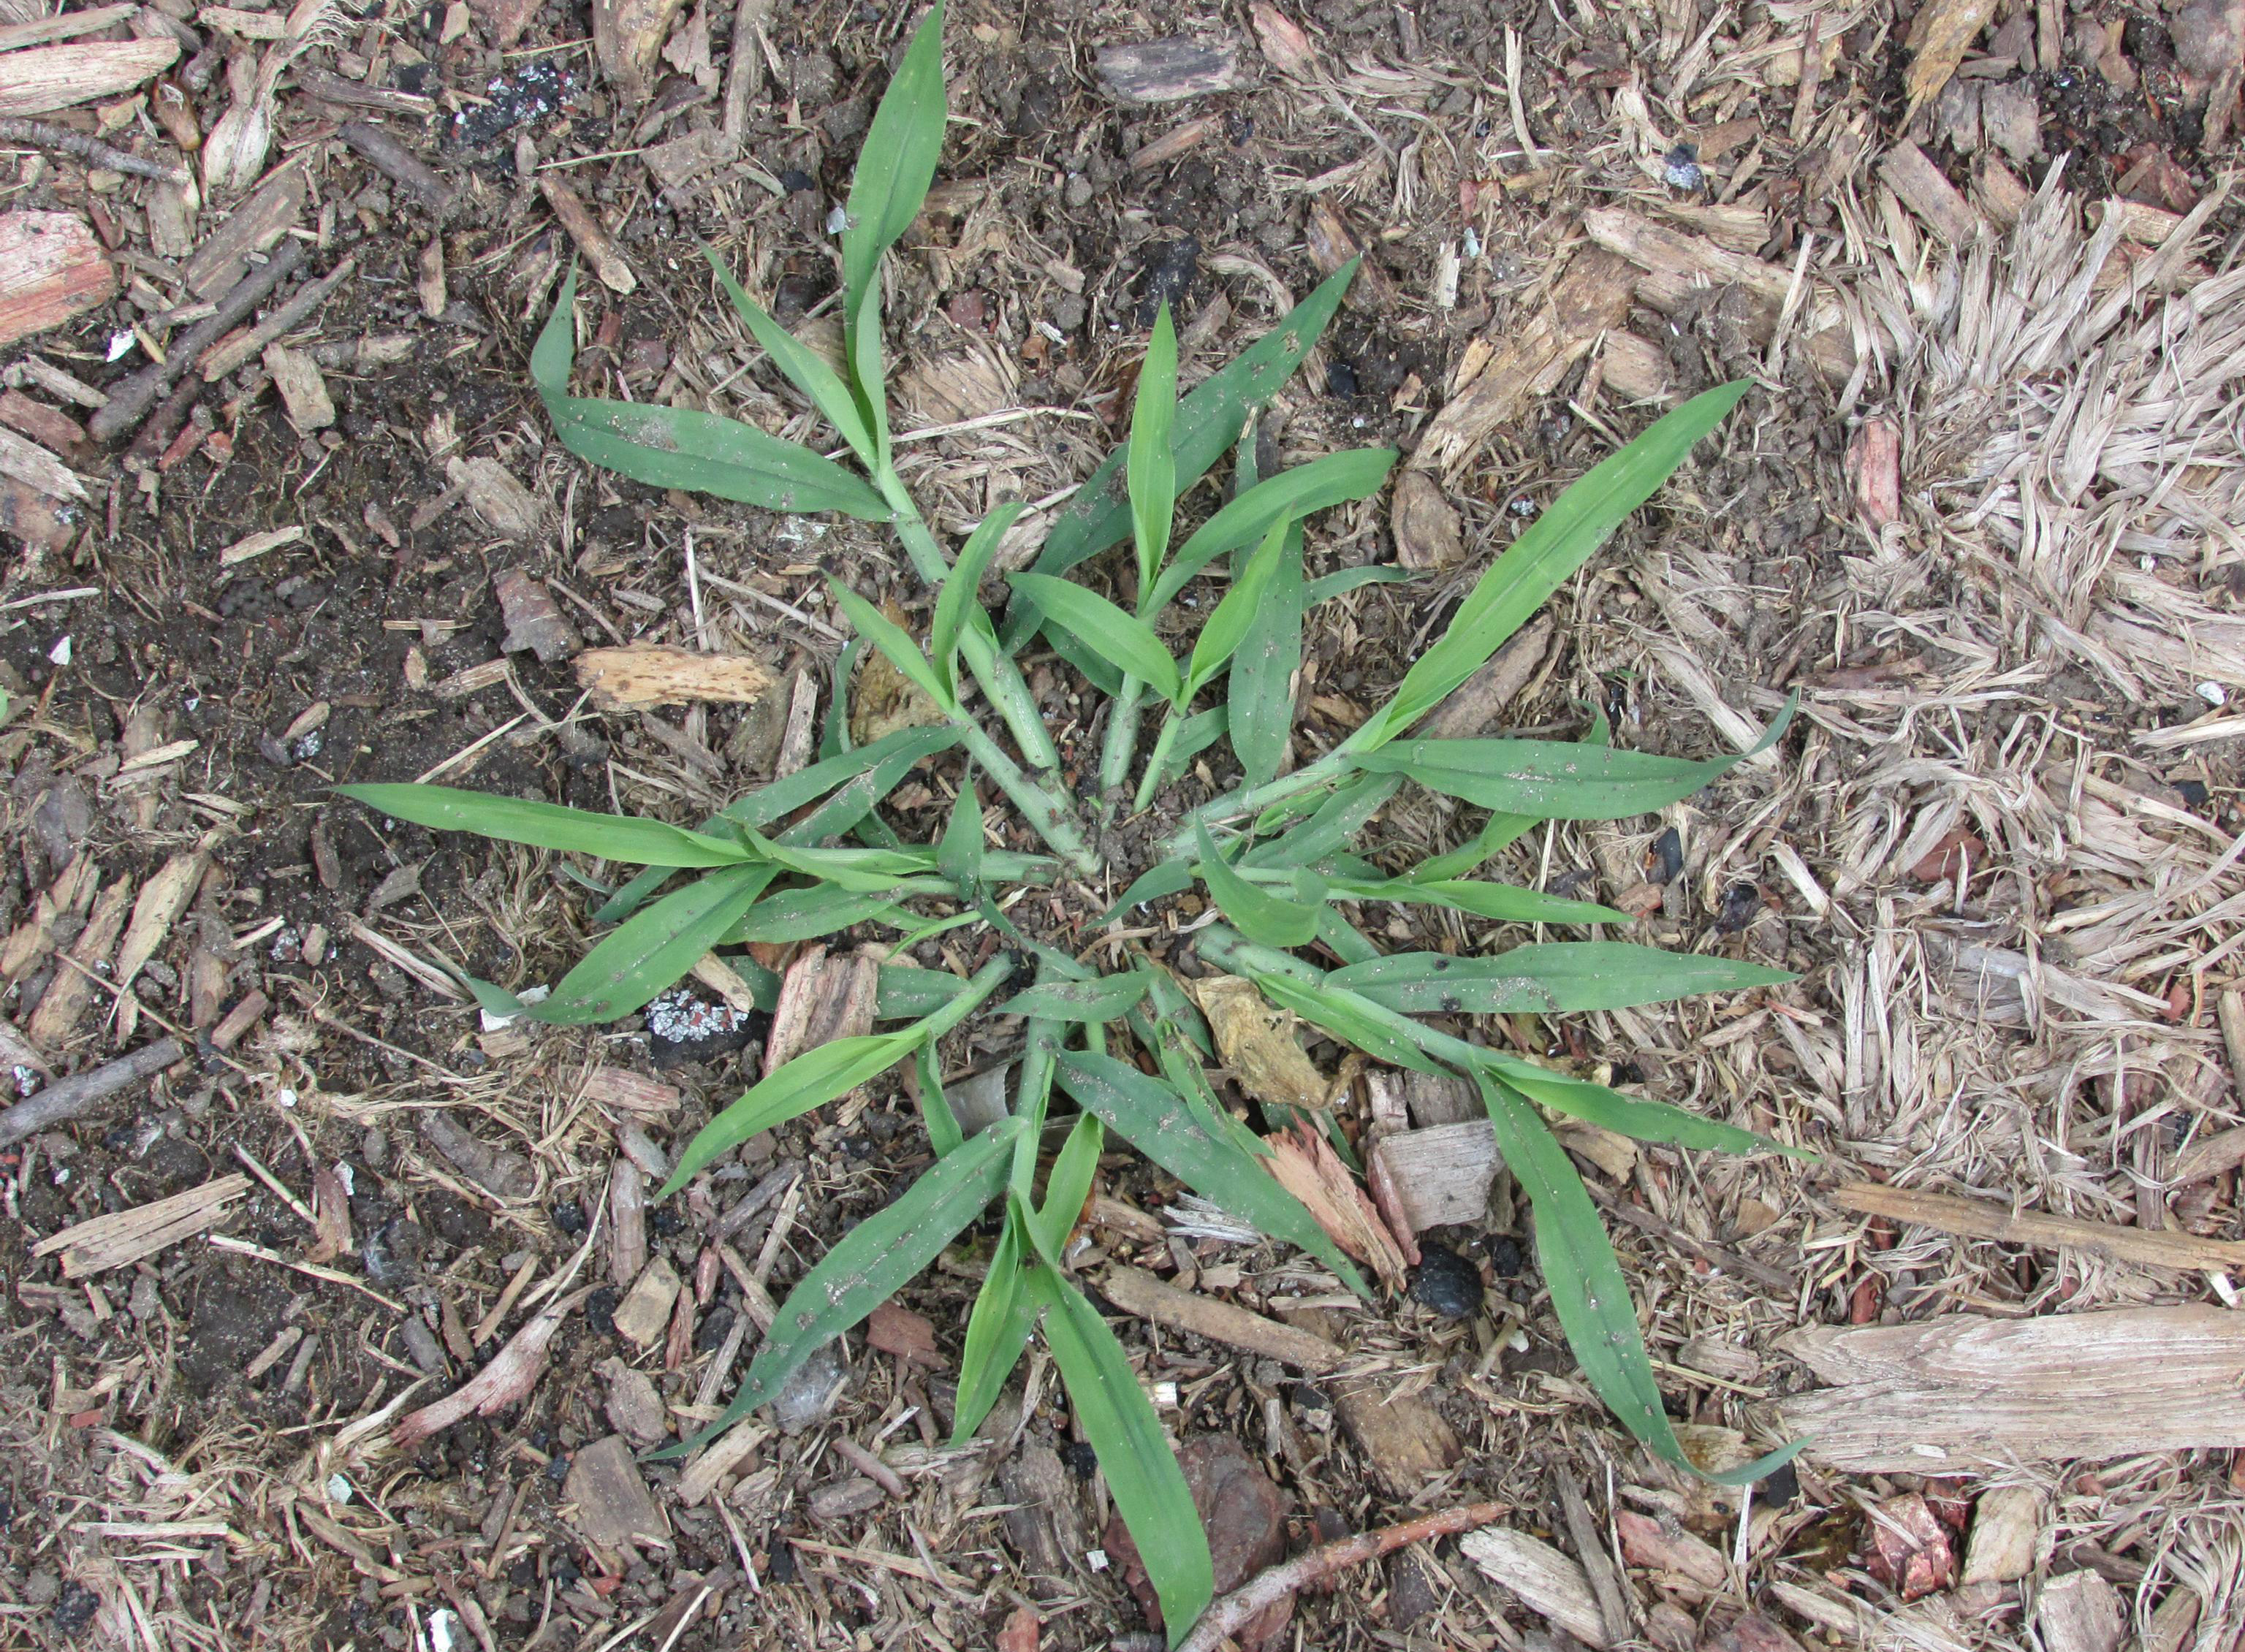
column 1445, row 1281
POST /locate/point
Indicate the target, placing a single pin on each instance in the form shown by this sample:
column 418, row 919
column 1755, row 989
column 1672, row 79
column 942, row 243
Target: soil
column 323, row 663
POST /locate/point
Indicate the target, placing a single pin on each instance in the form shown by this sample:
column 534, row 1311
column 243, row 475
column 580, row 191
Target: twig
column 75, row 1097
column 223, row 359
column 91, row 151
column 129, row 402
column 1233, row 1611
column 400, row 164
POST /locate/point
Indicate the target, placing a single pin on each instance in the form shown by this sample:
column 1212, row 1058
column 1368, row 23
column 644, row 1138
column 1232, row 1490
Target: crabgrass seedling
column 1283, row 858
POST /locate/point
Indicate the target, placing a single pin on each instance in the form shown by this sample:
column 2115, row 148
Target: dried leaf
column 1256, row 1039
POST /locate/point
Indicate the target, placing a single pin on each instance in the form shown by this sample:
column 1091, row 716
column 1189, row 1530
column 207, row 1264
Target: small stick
column 1233, row 1611
column 91, row 151
column 591, row 235
column 223, row 359
column 400, row 164
column 74, row 1097
column 129, row 402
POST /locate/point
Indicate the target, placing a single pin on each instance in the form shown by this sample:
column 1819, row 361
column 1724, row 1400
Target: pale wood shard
column 1442, row 1098
column 71, row 989
column 1526, row 359
column 1986, row 1219
column 1945, row 1395
column 1136, row 1291
column 589, row 232
column 255, row 226
column 613, row 1505
column 36, row 517
column 1436, row 1177
column 627, row 37
column 730, row 1453
column 125, row 1236
column 1405, row 1441
column 1255, row 1039
column 644, row 1314
column 162, row 899
column 31, row 464
column 1927, row 193
column 1939, row 35
column 646, row 673
column 1475, row 705
column 500, row 1172
column 2080, row 1612
column 2210, row 1155
column 625, row 1090
column 821, row 998
column 52, row 270
column 1636, row 368
column 512, row 1372
column 46, row 78
column 2007, row 1528
column 1546, row 1581
column 1166, row 70
column 1425, row 523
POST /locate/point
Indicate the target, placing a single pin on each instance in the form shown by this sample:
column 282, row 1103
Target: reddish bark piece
column 1020, row 1634
column 1752, row 1633
column 534, row 620
column 908, row 1336
column 51, row 269
column 1958, row 851
column 1910, row 1551
column 1874, row 461
column 1244, row 1514
column 1645, row 1542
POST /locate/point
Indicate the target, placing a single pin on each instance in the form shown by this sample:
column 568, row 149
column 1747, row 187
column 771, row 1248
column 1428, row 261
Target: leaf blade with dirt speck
column 805, row 368
column 1335, row 479
column 957, row 605
column 1105, row 998
column 1125, row 642
column 1548, row 978
column 653, row 950
column 1226, row 628
column 1266, row 919
column 997, row 1331
column 517, row 820
column 1150, row 469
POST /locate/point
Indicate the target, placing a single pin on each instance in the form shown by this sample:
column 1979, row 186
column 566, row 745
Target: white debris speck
column 493, row 1020
column 60, row 654
column 348, row 1177
column 285, row 1098
column 308, row 747
column 443, row 1629
column 1165, row 1393
column 1471, row 242
column 26, row 1080
column 120, row 344
column 837, row 221
column 62, row 1174
column 1095, row 1558
column 680, row 1018
column 339, row 1489
column 2212, row 693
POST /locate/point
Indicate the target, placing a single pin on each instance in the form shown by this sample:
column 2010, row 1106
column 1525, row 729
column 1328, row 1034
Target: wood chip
column 40, row 81
column 591, row 235
column 821, row 998
column 534, row 621
column 613, row 1507
column 36, row 517
column 162, row 899
column 31, row 464
column 2080, row 1612
column 512, row 1372
column 1524, row 358
column 1939, row 1397
column 125, row 1236
column 646, row 673
column 1985, row 1219
column 732, row 1451
column 644, row 1314
column 48, row 426
column 506, row 507
column 906, row 1335
column 627, row 37
column 254, row 227
column 1678, row 1555
column 621, row 1090
column 2007, row 1528
column 499, row 1171
column 1423, row 1179
column 1166, row 70
column 1477, row 704
column 2210, row 1156
column 1136, row 1291
column 1927, row 193
column 1545, row 1580
column 72, row 989
column 52, row 270
column 1404, row 1439
column 1425, row 523
column 1305, row 1164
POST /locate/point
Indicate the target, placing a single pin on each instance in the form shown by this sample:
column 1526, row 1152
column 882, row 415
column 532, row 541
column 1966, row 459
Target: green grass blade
column 1500, row 903
column 1152, row 470
column 668, row 447
column 901, row 650
column 1559, row 779
column 1628, row 1115
column 1589, row 1293
column 868, row 1265
column 1209, row 421
column 958, row 600
column 1347, row 580
column 1167, row 877
column 1268, row 919
column 1195, row 735
column 1498, row 832
column 908, row 992
column 1224, row 629
column 1156, row 1120
column 1347, row 942
column 895, row 167
column 1547, row 979
column 1330, row 827
column 1125, row 642
column 1142, row 1472
column 1100, row 673
column 867, row 869
column 959, row 856
column 1293, row 494
column 1543, row 559
column 1068, row 1184
column 805, row 368
column 1105, row 998
column 811, row 1079
column 1395, row 1039
column 516, row 820
column 806, row 914
column 653, row 949
column 944, row 1133
column 997, row 1331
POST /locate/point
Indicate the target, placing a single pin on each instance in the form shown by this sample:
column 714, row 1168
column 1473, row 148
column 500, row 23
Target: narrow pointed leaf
column 1329, row 829
column 1500, row 902
column 899, row 648
column 944, row 1133
column 1291, row 495
column 653, row 949
column 1261, row 693
column 1154, row 1118
column 517, row 820
column 1226, row 628
column 805, row 368
column 1589, row 1293
column 1498, row 832
column 1152, row 470
column 1124, row 641
column 1268, row 919
column 958, row 856
column 997, row 1331
column 867, row 1266
column 1068, row 1184
column 1558, row 779
column 806, row 914
column 1547, row 979
column 1343, row 581
column 811, row 1079
column 1543, row 559
column 1142, row 1472
column 1209, row 421
column 668, row 447
column 896, row 165
column 958, row 600
column 1104, row 998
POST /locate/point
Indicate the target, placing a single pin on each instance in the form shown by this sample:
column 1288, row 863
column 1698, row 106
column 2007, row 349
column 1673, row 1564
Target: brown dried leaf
column 892, row 1330
column 647, row 674
column 1425, row 523
column 1255, row 1039
column 886, row 699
